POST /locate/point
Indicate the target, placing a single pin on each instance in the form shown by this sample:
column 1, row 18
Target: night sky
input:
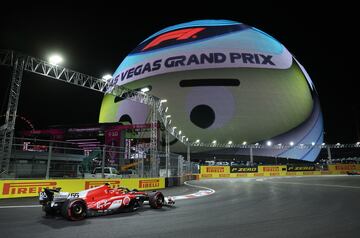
column 94, row 40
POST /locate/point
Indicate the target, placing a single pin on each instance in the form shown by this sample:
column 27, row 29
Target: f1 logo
column 182, row 34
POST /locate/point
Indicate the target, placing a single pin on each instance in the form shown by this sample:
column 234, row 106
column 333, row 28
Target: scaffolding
column 21, row 62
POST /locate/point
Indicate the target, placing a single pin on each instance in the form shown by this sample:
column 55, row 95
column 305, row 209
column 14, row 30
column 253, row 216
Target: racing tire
column 133, row 206
column 49, row 211
column 156, row 200
column 74, row 210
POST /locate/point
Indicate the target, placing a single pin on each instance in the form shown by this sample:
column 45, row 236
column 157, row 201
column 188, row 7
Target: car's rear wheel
column 156, row 200
column 74, row 210
column 133, row 206
column 49, row 211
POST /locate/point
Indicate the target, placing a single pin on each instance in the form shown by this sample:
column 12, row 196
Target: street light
column 106, row 77
column 55, row 59
column 144, row 90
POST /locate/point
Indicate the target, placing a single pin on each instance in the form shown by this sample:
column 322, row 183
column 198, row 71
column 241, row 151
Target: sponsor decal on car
column 102, row 204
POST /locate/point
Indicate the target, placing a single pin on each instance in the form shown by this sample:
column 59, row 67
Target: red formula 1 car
column 98, row 200
column 353, row 172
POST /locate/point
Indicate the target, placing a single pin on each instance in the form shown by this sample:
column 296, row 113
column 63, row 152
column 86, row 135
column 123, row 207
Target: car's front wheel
column 156, row 200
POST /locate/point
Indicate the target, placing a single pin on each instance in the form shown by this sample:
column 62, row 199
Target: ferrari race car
column 98, row 201
column 354, row 172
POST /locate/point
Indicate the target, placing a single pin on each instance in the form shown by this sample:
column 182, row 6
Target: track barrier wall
column 178, row 181
column 344, row 167
column 31, row 188
column 207, row 172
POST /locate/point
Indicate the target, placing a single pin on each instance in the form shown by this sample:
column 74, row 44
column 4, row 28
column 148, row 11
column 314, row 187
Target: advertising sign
column 243, row 169
column 294, row 168
column 31, row 188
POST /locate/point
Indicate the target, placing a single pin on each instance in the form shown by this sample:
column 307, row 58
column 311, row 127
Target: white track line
column 197, row 186
column 316, row 184
column 200, row 193
column 21, row 206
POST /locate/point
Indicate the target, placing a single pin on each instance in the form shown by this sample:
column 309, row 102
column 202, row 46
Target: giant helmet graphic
column 223, row 80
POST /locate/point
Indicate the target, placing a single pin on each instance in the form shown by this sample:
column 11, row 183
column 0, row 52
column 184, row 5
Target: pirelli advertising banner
column 343, row 167
column 295, row 168
column 31, row 188
column 272, row 169
column 243, row 169
column 215, row 171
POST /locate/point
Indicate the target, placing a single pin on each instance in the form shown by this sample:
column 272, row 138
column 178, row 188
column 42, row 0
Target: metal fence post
column 329, row 155
column 48, row 163
column 188, row 159
column 167, row 153
column 141, row 168
column 103, row 162
column 179, row 166
column 251, row 156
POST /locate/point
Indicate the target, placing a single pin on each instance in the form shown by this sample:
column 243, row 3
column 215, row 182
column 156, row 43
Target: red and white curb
column 201, row 193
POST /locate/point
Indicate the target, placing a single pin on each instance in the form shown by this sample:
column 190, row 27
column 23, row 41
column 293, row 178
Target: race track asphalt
column 318, row 206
